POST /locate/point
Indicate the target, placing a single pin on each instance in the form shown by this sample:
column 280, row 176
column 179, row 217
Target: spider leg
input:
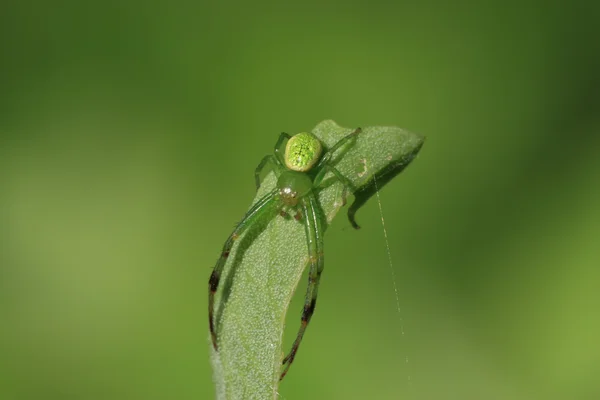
column 282, row 136
column 325, row 167
column 343, row 140
column 314, row 239
column 327, row 156
column 273, row 163
column 265, row 205
column 345, row 181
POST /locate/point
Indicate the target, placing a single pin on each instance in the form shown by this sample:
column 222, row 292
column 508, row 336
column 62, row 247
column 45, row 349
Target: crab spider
column 300, row 172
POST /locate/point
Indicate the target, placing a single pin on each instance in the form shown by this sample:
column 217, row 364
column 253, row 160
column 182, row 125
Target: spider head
column 289, row 196
column 302, row 152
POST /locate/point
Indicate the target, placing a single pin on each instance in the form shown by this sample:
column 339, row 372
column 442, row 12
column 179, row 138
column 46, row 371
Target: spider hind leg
column 314, row 239
column 259, row 210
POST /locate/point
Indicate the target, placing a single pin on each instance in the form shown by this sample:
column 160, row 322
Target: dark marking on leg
column 284, row 373
column 213, row 335
column 307, row 313
column 213, row 282
column 309, row 310
column 284, row 214
column 313, row 305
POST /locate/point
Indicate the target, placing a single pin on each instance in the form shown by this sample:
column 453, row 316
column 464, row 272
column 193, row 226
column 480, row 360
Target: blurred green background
column 129, row 136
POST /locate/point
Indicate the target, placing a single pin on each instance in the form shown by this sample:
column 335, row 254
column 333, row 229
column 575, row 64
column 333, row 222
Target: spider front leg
column 282, row 137
column 324, row 166
column 338, row 175
column 275, row 160
column 264, row 206
column 314, row 240
column 339, row 144
column 274, row 164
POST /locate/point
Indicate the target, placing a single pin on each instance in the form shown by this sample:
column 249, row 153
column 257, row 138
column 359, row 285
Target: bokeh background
column 129, row 133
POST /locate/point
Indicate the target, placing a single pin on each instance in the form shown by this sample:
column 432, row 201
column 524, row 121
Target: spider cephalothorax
column 300, row 170
column 293, row 186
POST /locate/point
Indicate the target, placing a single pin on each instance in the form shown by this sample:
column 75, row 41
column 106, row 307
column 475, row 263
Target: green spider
column 300, row 173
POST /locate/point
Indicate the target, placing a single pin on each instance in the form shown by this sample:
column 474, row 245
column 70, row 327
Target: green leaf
column 265, row 265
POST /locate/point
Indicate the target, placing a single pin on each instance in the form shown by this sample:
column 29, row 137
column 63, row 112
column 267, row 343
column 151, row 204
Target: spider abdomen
column 302, row 152
column 293, row 186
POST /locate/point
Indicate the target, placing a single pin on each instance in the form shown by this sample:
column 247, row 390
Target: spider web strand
column 387, row 245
